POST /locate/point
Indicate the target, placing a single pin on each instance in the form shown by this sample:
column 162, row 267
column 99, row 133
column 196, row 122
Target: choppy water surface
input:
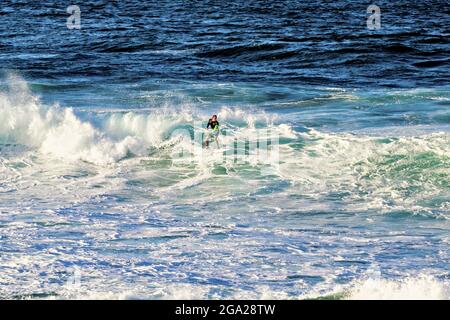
column 96, row 201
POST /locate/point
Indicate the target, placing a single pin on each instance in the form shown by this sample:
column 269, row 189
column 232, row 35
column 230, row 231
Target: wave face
column 301, row 42
column 107, row 199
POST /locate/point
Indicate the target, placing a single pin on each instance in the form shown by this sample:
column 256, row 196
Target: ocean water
column 332, row 179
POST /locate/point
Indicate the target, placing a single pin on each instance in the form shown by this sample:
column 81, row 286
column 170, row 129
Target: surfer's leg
column 217, row 142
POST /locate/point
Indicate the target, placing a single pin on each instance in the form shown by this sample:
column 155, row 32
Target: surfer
column 213, row 134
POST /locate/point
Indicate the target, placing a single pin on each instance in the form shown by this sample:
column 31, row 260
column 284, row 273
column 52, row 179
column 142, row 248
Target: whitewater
column 97, row 202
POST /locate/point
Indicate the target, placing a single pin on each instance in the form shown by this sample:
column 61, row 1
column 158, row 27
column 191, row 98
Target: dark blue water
column 304, row 42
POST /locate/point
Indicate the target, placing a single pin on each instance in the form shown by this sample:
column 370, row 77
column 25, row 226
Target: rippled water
column 309, row 42
column 96, row 201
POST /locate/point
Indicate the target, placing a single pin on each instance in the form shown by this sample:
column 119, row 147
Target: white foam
column 375, row 172
column 55, row 130
column 110, row 136
column 422, row 287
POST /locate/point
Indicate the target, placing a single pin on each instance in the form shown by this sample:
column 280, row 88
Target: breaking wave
column 395, row 173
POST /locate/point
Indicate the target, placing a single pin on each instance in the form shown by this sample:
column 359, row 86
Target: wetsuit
column 214, row 125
